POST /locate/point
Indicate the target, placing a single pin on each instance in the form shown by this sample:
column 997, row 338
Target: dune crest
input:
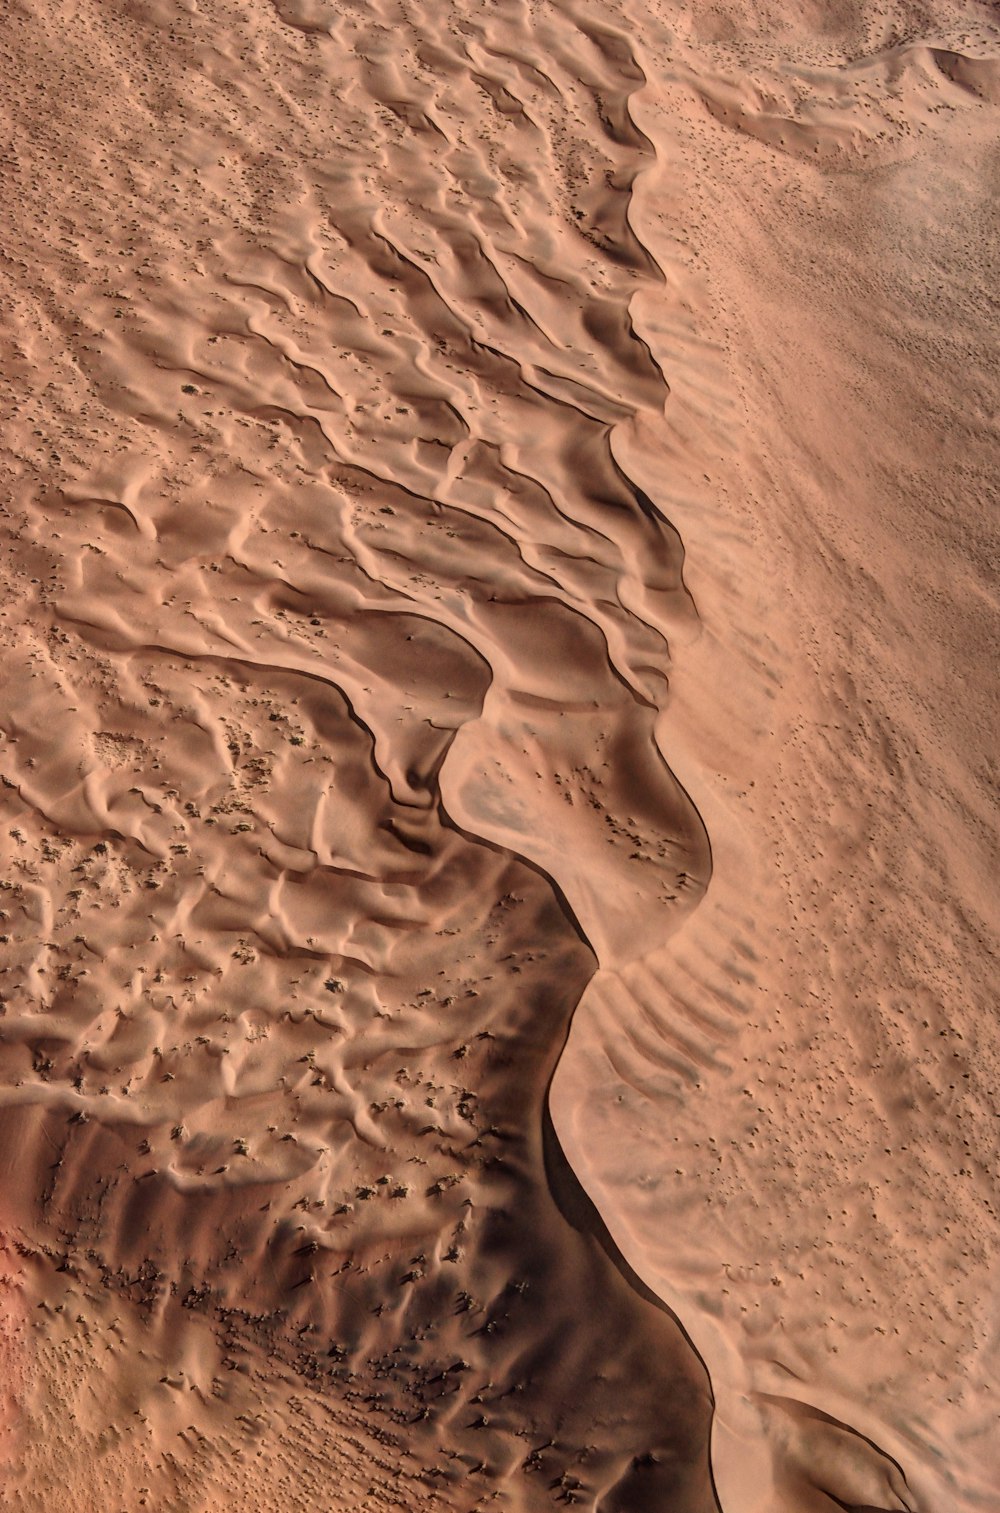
column 789, row 1135
column 370, row 738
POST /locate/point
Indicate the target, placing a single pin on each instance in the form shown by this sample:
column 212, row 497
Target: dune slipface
column 383, row 1124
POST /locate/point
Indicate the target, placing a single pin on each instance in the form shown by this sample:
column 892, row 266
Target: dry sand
column 498, row 749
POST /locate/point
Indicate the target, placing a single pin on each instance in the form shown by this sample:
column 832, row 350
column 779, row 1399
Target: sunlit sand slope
column 368, row 744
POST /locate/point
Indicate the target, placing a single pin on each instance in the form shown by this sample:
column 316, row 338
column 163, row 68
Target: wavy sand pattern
column 365, row 361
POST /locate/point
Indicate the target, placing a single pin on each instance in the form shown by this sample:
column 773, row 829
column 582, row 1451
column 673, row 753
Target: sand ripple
column 342, row 603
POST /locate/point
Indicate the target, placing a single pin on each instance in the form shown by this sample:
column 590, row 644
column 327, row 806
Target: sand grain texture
column 498, row 757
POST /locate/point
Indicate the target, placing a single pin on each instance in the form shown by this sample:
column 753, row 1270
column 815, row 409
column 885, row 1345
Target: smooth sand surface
column 498, row 628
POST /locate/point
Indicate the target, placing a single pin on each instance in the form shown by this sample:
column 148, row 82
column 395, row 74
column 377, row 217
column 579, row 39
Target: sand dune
column 497, row 746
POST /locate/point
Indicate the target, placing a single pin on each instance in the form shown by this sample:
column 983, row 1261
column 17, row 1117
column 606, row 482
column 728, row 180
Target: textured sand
column 498, row 748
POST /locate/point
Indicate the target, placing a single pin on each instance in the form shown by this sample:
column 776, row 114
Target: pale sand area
column 478, row 477
column 788, row 1116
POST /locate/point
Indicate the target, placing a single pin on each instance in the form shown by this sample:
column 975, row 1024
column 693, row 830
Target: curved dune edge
column 747, row 1449
column 297, row 768
column 791, row 1424
column 313, row 479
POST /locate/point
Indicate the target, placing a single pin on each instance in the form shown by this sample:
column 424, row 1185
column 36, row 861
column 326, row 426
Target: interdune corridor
column 498, row 729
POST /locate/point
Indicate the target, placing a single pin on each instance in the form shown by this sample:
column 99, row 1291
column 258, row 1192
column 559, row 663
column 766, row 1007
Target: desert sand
column 499, row 616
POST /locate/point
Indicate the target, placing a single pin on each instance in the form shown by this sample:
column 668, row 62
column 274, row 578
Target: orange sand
column 498, row 620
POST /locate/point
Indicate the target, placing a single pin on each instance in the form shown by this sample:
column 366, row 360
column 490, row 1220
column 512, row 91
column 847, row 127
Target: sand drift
column 367, row 743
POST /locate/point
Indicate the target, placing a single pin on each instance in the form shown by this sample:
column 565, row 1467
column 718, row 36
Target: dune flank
column 498, row 756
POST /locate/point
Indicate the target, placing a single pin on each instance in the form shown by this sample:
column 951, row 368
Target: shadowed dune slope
column 365, row 363
column 787, row 1115
column 320, row 321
